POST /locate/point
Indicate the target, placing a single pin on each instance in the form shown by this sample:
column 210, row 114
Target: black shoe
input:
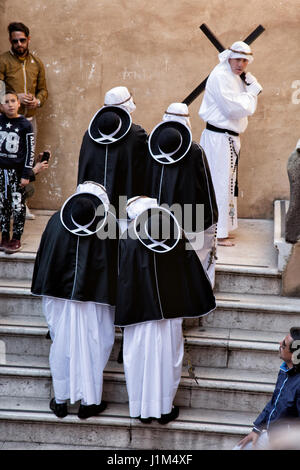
column 59, row 409
column 145, row 420
column 164, row 419
column 85, row 411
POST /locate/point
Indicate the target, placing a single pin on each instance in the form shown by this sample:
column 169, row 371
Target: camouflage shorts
column 12, row 202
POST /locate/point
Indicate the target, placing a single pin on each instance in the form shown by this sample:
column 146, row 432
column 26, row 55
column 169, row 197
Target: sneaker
column 4, row 244
column 59, row 409
column 13, row 246
column 85, row 411
column 29, row 215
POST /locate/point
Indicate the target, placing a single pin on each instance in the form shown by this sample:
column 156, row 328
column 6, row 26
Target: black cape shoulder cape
column 73, row 267
column 121, row 170
column 186, row 182
column 154, row 286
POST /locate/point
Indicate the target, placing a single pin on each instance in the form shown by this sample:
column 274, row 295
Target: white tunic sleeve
column 232, row 101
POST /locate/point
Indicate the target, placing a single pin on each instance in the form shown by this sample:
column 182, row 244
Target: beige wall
column 157, row 50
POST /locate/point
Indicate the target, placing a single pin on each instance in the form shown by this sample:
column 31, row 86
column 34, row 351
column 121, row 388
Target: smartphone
column 45, row 157
column 243, row 76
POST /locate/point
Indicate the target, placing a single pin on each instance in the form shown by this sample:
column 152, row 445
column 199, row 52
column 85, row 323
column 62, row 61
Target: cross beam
column 218, row 45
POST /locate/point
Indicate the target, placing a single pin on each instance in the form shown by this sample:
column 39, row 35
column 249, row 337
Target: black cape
column 187, row 181
column 125, row 168
column 153, row 286
column 68, row 266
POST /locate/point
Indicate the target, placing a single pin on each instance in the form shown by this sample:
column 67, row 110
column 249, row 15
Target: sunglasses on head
column 22, row 40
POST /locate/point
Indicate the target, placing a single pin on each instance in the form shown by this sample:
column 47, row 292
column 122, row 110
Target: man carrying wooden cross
column 228, row 101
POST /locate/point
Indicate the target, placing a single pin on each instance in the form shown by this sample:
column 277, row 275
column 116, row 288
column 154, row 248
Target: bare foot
column 225, row 242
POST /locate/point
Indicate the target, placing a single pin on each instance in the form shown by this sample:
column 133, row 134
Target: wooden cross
column 218, row 45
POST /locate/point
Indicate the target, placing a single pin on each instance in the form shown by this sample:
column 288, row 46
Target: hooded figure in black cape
column 76, row 274
column 114, row 150
column 160, row 282
column 157, row 284
column 178, row 173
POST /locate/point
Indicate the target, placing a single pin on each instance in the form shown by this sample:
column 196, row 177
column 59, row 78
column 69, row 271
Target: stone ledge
column 25, row 256
column 267, row 303
column 191, row 420
column 291, row 274
column 284, row 248
column 248, row 270
column 288, row 253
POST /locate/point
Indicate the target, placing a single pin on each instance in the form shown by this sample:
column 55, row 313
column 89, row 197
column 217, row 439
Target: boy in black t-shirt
column 16, row 160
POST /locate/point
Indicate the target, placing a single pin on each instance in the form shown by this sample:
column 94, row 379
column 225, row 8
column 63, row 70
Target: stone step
column 19, row 341
column 17, row 266
column 247, row 279
column 209, row 347
column 229, row 277
column 237, row 390
column 233, row 348
column 16, row 299
column 234, row 351
column 31, row 446
column 254, row 312
column 31, row 422
column 246, row 311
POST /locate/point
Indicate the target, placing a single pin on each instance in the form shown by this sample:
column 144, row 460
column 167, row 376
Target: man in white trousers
column 230, row 97
column 75, row 272
column 160, row 282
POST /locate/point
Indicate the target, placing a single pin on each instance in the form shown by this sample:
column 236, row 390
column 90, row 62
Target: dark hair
column 18, row 27
column 9, row 91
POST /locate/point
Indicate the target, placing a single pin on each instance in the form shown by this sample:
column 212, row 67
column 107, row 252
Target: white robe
column 153, row 355
column 82, row 336
column 226, row 104
column 221, row 160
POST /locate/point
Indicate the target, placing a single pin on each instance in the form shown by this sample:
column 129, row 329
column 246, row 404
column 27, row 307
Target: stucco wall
column 157, row 50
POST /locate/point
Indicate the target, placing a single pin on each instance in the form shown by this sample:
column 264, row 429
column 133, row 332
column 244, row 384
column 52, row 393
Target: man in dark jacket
column 23, row 71
column 284, row 406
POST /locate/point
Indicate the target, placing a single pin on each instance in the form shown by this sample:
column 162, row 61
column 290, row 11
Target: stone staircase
column 234, row 351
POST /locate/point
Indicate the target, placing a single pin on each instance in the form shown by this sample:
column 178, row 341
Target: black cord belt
column 210, row 127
